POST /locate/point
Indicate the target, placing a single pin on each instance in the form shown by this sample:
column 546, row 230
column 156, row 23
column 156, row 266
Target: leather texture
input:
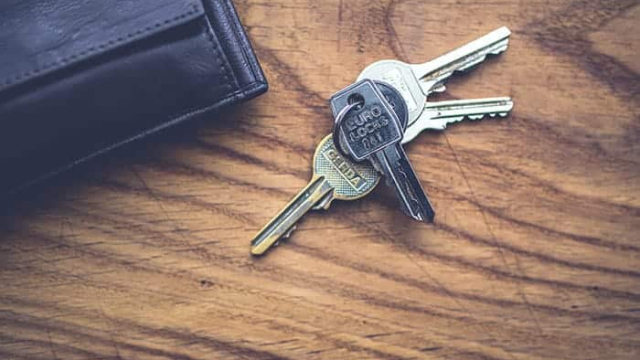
column 81, row 77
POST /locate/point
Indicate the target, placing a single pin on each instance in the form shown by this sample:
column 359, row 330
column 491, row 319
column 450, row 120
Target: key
column 347, row 180
column 416, row 81
column 334, row 177
column 374, row 132
column 395, row 100
column 437, row 115
column 441, row 113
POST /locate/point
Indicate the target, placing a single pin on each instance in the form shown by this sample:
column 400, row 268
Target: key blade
column 433, row 73
column 437, row 115
column 284, row 223
column 413, row 199
column 446, row 112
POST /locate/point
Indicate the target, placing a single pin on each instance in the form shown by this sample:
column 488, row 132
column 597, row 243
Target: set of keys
column 385, row 108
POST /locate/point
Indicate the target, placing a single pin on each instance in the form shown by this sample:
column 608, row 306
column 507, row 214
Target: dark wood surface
column 144, row 254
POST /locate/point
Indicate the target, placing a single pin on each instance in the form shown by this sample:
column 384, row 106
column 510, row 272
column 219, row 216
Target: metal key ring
column 337, row 126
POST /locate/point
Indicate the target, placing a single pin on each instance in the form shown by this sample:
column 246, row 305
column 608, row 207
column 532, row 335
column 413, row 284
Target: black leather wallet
column 81, row 77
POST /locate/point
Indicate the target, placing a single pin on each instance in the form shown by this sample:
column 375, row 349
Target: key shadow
column 397, row 228
column 402, row 229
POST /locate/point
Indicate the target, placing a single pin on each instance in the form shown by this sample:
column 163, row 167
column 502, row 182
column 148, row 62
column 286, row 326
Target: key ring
column 337, row 126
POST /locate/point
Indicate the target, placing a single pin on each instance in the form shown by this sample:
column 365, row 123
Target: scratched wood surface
column 535, row 254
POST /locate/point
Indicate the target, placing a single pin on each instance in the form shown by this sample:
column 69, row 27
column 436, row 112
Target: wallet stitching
column 241, row 91
column 238, row 33
column 225, row 73
column 229, row 17
column 96, row 48
column 216, row 49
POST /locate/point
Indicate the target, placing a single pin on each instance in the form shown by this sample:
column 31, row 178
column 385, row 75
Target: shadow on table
column 26, row 197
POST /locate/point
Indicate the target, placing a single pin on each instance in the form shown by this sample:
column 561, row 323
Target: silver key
column 374, row 132
column 416, row 81
column 437, row 115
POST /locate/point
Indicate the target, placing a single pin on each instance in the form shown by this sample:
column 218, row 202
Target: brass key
column 334, row 177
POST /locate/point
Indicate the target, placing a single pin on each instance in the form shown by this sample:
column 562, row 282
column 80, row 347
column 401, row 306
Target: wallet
column 81, row 77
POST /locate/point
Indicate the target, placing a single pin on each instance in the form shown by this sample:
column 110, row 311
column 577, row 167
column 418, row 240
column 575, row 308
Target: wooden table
column 535, row 254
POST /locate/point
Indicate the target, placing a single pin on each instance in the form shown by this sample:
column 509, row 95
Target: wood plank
column 144, row 254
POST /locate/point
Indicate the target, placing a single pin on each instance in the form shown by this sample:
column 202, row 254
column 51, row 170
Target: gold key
column 334, row 177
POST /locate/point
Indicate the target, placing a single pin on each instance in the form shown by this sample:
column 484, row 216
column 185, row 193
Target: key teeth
column 439, row 88
column 482, row 116
column 471, row 65
column 501, row 49
column 286, row 235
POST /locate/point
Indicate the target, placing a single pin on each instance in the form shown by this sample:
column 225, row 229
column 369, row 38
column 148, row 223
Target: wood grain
column 144, row 254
